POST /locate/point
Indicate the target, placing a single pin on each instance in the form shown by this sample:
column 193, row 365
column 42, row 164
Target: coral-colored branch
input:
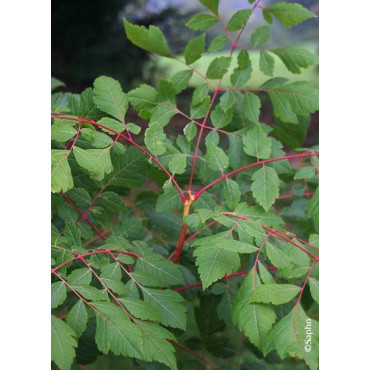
column 260, row 163
column 84, row 217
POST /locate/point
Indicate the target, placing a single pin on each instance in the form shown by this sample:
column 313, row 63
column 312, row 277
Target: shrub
column 195, row 248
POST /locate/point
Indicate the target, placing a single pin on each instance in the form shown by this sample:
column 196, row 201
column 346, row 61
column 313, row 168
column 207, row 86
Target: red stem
column 84, row 217
column 260, row 163
column 180, row 243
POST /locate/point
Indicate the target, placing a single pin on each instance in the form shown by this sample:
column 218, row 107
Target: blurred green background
column 88, row 39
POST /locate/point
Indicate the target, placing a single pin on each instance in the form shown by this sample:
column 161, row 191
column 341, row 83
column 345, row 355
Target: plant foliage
column 195, row 246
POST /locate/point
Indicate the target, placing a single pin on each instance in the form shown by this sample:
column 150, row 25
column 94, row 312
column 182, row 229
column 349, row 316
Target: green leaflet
column 115, row 332
column 288, row 337
column 212, row 5
column 143, row 97
column 177, row 164
column 77, row 317
column 63, row 130
column 200, row 94
column 238, row 20
column 305, row 173
column 190, row 131
column 155, row 344
column 218, row 67
column 314, row 288
column 63, row 343
column 214, row 262
column 58, row 294
column 97, row 139
column 150, row 39
column 256, row 143
column 260, row 36
column 265, row 186
column 252, row 105
column 254, row 319
column 313, row 208
column 221, row 118
column 163, row 273
column 194, row 49
column 201, row 22
column 83, row 105
column 111, row 201
column 109, row 97
column 129, row 169
column 80, row 276
column 296, row 57
column 274, row 293
column 169, row 306
column 140, row 309
column 155, row 139
column 231, row 192
column 289, row 14
column 61, row 176
column 216, row 158
column 218, row 43
column 267, row 63
column 180, row 80
column 96, row 161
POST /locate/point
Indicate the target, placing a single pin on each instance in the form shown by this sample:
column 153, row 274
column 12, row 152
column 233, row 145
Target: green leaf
column 143, row 97
column 241, row 76
column 180, row 80
column 58, row 294
column 177, row 164
column 115, row 332
column 168, row 201
column 252, row 106
column 253, row 319
column 277, row 257
column 313, row 208
column 96, row 161
column 274, row 293
column 109, row 97
column 213, row 263
column 112, row 124
column 265, row 275
column 314, row 288
column 212, row 5
column 265, row 186
column 218, row 43
column 238, row 20
column 111, row 201
column 63, row 343
column 221, row 118
column 156, row 346
column 305, row 173
column 129, row 169
column 200, row 94
column 267, row 63
column 216, row 158
column 155, row 139
column 227, row 100
column 190, row 131
column 169, row 305
column 164, row 273
column 212, row 138
column 288, row 338
column 150, row 39
column 201, row 22
column 55, row 83
column 289, row 14
column 77, row 318
column 260, row 36
column 97, row 139
column 63, row 130
column 194, row 49
column 243, row 59
column 231, row 193
column 91, row 293
column 61, row 176
column 296, row 57
column 256, row 143
column 80, row 276
column 140, row 309
column 218, row 67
